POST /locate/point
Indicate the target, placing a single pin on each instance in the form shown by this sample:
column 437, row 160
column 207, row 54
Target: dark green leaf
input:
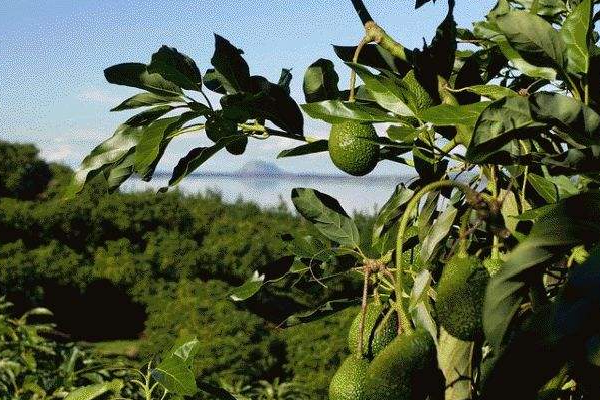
column 216, row 82
column 231, row 66
column 318, row 146
column 498, row 129
column 533, row 38
column 137, row 75
column 572, row 221
column 321, row 82
column 176, row 67
column 195, row 158
column 323, row 311
column 569, row 114
column 327, row 215
column 285, row 79
column 574, row 162
column 375, row 56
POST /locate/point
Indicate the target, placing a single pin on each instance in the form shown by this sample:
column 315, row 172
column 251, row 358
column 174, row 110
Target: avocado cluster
column 391, row 367
column 352, row 147
column 380, row 328
column 460, row 295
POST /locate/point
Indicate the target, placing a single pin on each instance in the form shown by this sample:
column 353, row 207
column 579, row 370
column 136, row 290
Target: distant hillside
column 260, row 168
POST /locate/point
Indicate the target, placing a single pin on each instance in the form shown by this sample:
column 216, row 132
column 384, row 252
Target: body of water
column 354, row 194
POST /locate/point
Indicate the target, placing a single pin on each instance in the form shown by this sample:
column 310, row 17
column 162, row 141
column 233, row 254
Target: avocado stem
column 403, row 315
column 463, row 233
column 363, row 42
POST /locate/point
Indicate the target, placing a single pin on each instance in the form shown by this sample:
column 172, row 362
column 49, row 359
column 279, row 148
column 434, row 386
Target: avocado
column 380, row 328
column 460, row 295
column 351, row 148
column 405, row 370
column 348, row 381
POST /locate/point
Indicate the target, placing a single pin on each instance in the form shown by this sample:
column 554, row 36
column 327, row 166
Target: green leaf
column 318, row 146
column 149, row 115
column 96, row 390
column 452, row 115
column 388, row 217
column 492, row 92
column 145, row 100
column 327, row 215
column 120, row 171
column 176, row 67
column 270, row 273
column 148, row 147
column 327, row 309
column 176, row 375
column 570, row 222
column 387, row 91
column 402, row 133
column 575, row 34
column 438, row 231
column 195, row 158
column 574, row 162
column 525, row 67
column 108, row 152
column 533, row 38
column 216, row 82
column 335, row 111
column 137, row 75
column 499, row 127
column 230, row 65
column 544, row 187
column 571, row 115
column 321, row 82
column 249, row 288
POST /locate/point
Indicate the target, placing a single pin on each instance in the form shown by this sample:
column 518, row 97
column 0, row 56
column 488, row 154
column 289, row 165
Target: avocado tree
column 482, row 277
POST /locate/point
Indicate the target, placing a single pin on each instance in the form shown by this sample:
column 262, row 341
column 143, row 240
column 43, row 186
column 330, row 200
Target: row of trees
column 131, row 265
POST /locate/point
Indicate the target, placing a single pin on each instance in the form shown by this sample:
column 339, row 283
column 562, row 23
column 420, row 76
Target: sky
column 53, row 53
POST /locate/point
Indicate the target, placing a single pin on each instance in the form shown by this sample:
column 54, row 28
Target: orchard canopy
column 482, row 274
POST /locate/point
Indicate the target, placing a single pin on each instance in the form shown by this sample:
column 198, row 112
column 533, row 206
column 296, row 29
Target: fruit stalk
column 410, row 209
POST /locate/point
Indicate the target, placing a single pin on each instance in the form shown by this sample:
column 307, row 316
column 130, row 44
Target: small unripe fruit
column 351, row 148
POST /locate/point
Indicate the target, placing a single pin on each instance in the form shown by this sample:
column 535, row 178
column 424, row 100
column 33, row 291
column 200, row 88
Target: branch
column 362, row 11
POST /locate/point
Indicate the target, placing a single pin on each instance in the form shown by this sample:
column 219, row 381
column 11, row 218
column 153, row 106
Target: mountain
column 260, row 168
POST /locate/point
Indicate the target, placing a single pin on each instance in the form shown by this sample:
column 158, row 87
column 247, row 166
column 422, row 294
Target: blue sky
column 54, row 52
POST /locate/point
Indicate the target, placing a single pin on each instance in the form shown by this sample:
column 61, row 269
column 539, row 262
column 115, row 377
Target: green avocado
column 405, row 370
column 349, row 150
column 380, row 328
column 348, row 381
column 460, row 295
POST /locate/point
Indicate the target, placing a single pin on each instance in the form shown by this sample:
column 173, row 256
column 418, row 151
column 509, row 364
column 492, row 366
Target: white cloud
column 95, row 95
